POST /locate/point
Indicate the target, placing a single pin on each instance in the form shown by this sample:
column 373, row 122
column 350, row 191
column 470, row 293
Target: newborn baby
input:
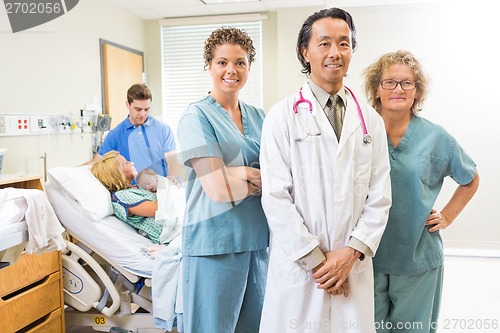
column 147, row 179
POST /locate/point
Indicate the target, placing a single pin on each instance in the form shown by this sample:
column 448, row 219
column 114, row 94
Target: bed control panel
column 80, row 289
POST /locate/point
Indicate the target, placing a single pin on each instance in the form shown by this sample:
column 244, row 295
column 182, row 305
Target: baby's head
column 147, row 179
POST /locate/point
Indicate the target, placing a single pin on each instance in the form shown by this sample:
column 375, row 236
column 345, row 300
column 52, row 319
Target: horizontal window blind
column 184, row 79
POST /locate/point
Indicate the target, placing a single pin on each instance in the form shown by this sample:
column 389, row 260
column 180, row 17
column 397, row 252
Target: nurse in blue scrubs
column 408, row 265
column 225, row 232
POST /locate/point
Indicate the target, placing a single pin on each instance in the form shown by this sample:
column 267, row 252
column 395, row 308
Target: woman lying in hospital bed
column 137, row 206
column 85, row 209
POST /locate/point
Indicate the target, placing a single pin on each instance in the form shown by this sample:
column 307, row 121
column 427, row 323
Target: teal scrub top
column 206, row 130
column 424, row 157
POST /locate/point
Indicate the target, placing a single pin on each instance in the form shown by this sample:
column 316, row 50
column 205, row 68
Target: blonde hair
column 109, row 172
column 373, row 75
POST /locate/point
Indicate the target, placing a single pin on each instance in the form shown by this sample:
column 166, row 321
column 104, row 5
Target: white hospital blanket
column 167, row 271
column 170, row 213
column 167, row 281
column 12, row 211
column 44, row 229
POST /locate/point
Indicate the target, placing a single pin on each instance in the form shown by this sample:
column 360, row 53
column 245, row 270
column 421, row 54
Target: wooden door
column 121, row 68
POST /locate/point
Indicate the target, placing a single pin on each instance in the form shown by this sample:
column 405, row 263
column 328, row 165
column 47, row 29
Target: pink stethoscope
column 366, row 137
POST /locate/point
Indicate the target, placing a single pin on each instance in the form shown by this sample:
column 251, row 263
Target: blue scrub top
column 144, row 145
column 424, row 157
column 210, row 228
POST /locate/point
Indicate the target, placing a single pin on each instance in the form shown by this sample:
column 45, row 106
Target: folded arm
column 226, row 184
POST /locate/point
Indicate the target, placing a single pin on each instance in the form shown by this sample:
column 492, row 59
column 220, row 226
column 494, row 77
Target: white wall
column 55, row 69
column 152, row 59
column 457, row 45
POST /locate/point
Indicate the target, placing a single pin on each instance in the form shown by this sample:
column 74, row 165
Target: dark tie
column 334, row 114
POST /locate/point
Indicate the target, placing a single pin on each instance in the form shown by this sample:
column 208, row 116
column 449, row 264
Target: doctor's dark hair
column 373, row 75
column 306, row 31
column 139, row 92
column 228, row 35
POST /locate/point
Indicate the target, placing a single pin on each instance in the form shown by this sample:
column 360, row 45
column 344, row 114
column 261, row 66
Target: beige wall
column 152, row 38
column 55, row 69
column 271, row 63
column 289, row 22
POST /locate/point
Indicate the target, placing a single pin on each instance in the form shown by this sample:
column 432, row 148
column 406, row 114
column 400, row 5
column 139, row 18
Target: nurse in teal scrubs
column 225, row 232
column 408, row 265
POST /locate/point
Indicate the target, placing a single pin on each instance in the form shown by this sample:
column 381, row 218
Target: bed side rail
column 80, row 289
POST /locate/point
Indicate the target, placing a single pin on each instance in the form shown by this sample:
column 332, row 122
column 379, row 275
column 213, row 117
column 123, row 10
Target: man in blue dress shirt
column 140, row 138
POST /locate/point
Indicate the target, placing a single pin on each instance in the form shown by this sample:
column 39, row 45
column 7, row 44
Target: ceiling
column 158, row 9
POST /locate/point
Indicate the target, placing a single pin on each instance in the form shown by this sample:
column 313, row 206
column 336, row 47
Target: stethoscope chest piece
column 367, row 139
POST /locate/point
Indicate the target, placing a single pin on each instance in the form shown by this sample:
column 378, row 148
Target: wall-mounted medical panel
column 37, row 124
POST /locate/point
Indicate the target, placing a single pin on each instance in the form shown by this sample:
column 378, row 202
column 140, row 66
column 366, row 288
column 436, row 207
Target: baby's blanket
column 171, row 204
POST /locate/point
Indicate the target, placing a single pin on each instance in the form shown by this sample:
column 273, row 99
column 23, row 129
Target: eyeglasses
column 391, row 84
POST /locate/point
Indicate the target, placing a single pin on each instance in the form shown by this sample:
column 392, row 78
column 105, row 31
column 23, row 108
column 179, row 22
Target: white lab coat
column 321, row 192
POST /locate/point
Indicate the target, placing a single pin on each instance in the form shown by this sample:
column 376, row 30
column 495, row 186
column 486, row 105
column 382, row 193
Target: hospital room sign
column 25, row 14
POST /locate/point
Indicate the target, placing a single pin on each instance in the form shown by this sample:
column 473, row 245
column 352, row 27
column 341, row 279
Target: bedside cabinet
column 31, row 294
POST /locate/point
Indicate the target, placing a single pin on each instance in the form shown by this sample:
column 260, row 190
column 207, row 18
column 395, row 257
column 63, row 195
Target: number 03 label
column 100, row 320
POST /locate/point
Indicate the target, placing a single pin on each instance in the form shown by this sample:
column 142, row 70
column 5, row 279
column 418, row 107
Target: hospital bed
column 108, row 279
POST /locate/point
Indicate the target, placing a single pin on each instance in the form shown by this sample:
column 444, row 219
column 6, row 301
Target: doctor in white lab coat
column 326, row 199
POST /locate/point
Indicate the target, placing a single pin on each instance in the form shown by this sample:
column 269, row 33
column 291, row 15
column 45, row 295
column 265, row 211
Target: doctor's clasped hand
column 331, row 274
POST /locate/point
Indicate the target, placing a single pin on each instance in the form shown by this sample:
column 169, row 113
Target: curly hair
column 109, row 172
column 228, row 35
column 373, row 75
column 306, row 31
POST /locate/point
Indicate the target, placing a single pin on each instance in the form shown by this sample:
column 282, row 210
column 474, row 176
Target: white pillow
column 80, row 184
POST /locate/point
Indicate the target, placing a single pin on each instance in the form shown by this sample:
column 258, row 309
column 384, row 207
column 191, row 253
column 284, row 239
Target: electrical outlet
column 22, row 124
column 17, row 124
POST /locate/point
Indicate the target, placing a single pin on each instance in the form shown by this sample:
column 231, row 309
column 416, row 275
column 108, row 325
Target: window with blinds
column 184, row 78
